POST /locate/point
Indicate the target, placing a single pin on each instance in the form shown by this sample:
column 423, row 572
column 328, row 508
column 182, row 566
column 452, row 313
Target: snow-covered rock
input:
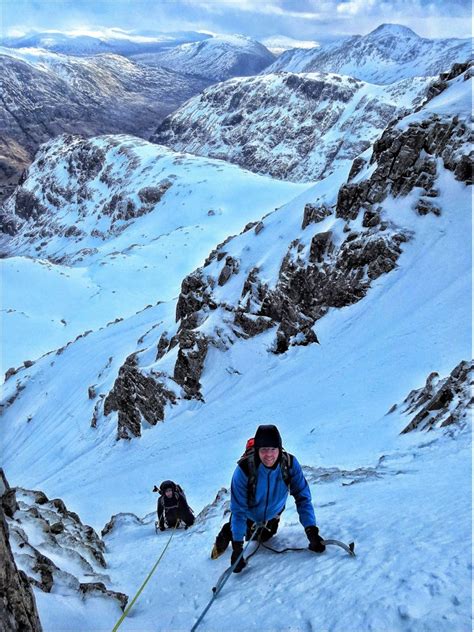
column 441, row 402
column 299, row 127
column 18, row 610
column 46, row 94
column 386, row 55
column 216, row 59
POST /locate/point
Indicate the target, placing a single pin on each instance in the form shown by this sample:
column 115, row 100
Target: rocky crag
column 339, row 247
column 40, row 531
column 18, row 611
column 441, row 402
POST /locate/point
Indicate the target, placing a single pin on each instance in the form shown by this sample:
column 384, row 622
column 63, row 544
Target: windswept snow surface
column 146, row 262
column 407, row 509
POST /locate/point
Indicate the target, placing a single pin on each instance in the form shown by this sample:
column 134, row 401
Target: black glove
column 316, row 543
column 237, row 548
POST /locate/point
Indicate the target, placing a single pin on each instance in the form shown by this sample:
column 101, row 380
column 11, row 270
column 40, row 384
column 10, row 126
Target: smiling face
column 268, row 456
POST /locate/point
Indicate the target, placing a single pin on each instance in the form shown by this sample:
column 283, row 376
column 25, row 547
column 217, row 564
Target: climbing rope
column 129, row 607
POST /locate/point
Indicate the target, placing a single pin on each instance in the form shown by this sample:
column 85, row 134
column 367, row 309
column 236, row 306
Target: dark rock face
column 190, row 362
column 17, row 602
column 314, row 214
column 442, row 402
column 136, row 396
column 308, row 287
column 91, row 96
column 406, row 159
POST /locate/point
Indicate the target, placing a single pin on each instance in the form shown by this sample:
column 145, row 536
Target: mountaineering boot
column 222, row 541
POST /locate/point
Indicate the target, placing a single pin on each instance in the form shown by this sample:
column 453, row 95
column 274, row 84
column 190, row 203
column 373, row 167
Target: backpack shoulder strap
column 286, row 464
column 247, row 465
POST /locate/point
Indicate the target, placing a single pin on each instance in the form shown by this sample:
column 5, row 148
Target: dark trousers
column 264, row 533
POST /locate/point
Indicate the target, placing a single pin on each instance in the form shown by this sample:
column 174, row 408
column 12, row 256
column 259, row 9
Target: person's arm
column 299, row 489
column 238, row 505
column 161, row 517
column 184, row 511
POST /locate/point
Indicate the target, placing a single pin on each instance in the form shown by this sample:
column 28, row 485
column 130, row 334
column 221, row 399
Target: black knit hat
column 267, row 437
column 167, row 485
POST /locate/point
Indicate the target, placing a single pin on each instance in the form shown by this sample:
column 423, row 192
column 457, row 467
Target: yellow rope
column 129, row 607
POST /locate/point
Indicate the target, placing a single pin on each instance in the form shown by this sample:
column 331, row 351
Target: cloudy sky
column 319, row 20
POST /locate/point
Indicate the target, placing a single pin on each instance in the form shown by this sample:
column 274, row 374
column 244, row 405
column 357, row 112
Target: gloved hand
column 316, row 543
column 237, row 548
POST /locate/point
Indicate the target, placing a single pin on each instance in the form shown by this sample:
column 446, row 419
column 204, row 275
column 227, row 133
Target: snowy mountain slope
column 295, row 127
column 386, row 55
column 403, row 498
column 217, row 58
column 45, row 94
column 114, row 40
column 316, row 393
column 96, row 220
column 234, row 356
column 330, row 257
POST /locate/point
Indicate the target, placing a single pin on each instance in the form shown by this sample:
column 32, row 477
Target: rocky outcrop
column 66, row 540
column 135, row 397
column 442, row 402
column 406, row 159
column 18, row 611
column 329, row 276
column 33, row 213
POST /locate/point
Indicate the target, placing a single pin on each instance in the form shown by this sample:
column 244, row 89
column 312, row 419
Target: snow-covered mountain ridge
column 115, row 41
column 217, row 58
column 298, row 127
column 45, row 94
column 386, row 55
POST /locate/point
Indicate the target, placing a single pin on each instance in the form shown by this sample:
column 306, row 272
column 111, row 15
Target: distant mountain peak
column 393, row 29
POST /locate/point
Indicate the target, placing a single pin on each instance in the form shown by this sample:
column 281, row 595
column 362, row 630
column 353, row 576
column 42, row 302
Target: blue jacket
column 270, row 497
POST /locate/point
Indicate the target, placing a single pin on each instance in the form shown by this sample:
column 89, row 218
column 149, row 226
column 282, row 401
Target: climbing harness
column 225, row 576
column 129, row 607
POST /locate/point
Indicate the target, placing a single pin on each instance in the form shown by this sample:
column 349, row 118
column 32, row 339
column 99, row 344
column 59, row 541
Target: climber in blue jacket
column 264, row 477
